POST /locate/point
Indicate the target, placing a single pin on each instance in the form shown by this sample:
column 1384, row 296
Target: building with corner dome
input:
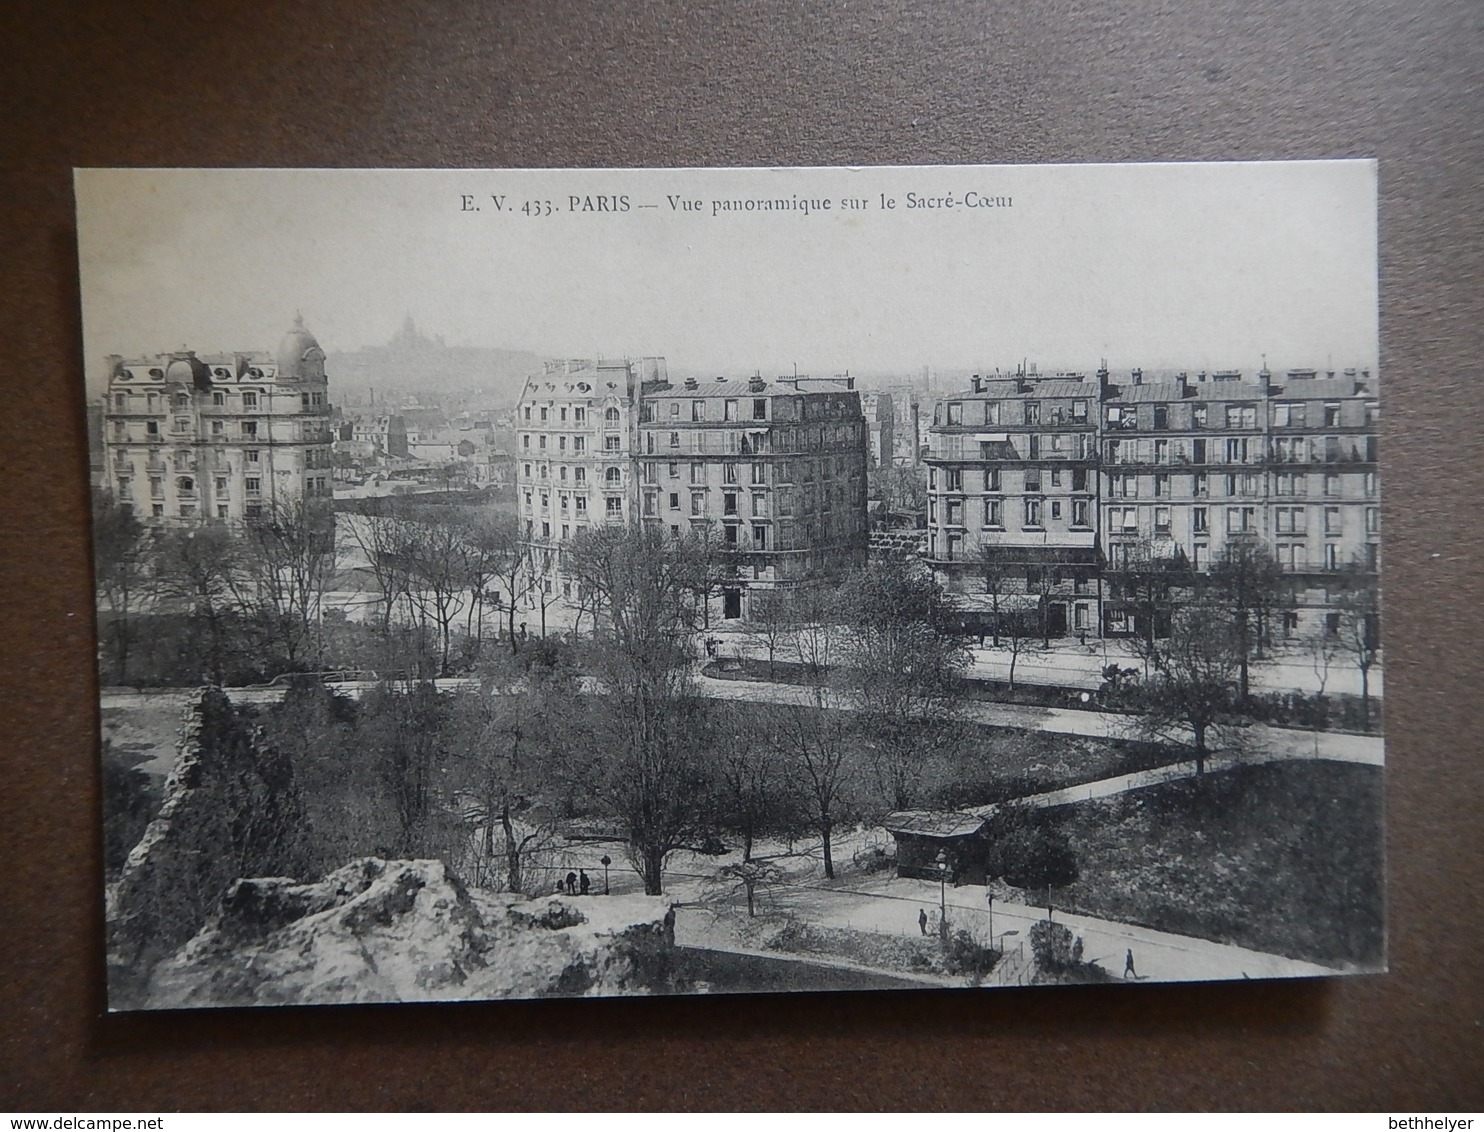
column 190, row 437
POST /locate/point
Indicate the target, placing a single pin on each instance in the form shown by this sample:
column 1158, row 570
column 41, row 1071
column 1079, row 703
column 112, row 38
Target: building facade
column 1062, row 488
column 1012, row 498
column 777, row 467
column 1193, row 464
column 221, row 436
column 774, row 471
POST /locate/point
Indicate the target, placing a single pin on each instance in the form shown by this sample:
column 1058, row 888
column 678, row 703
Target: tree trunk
column 513, row 878
column 829, row 860
column 1200, row 749
column 747, row 843
column 1365, row 697
column 653, row 868
column 751, row 909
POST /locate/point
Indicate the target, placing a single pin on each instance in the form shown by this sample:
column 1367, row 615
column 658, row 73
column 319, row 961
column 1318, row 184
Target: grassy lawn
column 1285, row 858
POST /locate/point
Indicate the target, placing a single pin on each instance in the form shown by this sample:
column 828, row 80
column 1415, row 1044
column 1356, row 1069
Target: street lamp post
column 942, row 862
column 990, row 897
column 605, row 861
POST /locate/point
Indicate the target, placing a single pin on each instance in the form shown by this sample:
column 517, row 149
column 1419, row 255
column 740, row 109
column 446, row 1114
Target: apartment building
column 774, row 471
column 1173, row 469
column 777, row 467
column 1012, row 498
column 188, row 437
column 1190, row 465
column 575, row 441
column 880, row 413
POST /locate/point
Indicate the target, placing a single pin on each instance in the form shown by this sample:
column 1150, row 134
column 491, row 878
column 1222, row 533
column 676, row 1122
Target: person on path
column 922, row 920
column 1128, row 965
column 583, row 884
column 571, row 884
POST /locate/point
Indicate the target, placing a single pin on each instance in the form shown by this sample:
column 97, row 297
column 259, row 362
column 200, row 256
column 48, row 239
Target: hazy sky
column 1192, row 266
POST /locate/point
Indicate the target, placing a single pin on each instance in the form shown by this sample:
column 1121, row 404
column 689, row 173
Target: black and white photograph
column 598, row 582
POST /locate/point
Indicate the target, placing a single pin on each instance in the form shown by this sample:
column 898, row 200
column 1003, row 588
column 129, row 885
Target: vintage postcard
column 524, row 583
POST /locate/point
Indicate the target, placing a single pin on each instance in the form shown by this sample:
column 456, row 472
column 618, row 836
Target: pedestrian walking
column 583, row 884
column 571, row 884
column 1128, row 965
column 922, row 920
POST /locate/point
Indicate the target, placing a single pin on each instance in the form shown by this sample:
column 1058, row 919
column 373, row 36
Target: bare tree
column 504, row 746
column 996, row 574
column 289, row 557
column 199, row 571
column 750, row 773
column 1194, row 687
column 1248, row 581
column 904, row 663
column 652, row 726
column 814, row 742
column 1357, row 599
column 121, row 553
column 770, row 621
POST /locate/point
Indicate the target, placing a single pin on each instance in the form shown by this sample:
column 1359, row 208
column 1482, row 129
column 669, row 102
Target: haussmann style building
column 190, row 437
column 1049, row 492
column 773, row 470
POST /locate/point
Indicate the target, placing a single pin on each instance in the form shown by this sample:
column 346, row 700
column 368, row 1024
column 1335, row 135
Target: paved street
column 891, row 905
column 1262, row 742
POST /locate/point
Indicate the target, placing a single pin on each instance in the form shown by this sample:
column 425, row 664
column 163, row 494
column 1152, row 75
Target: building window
column 1331, row 484
column 729, row 410
column 612, row 477
column 1331, row 556
column 1372, row 520
column 579, row 475
column 1331, row 416
column 760, row 409
column 1332, row 521
column 1079, row 513
column 759, row 537
column 541, row 440
column 561, row 444
column 1161, row 520
column 252, row 484
column 955, row 413
column 579, row 505
column 613, row 507
column 1289, row 414
column 1055, row 510
column 1161, row 451
column 729, row 503
column 544, row 413
column 649, row 503
column 525, row 440
column 1241, row 416
column 1161, row 485
column 759, row 473
column 1033, row 512
column 1236, row 450
column 1291, row 556
column 993, row 515
column 698, row 410
column 249, row 400
column 954, row 512
column 579, row 415
column 674, row 501
column 992, row 479
column 1200, row 485
column 1033, row 412
column 1200, row 520
column 218, row 428
column 1033, row 479
column 1240, row 520
column 953, row 479
column 545, row 527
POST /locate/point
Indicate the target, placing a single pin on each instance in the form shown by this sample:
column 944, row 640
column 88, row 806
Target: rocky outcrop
column 408, row 931
column 229, row 810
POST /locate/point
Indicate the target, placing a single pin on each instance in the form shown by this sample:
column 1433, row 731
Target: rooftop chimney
column 691, row 383
column 977, row 383
column 1138, row 376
